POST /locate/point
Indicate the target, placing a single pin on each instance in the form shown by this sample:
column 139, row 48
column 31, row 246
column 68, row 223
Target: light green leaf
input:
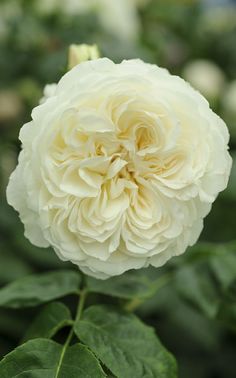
column 45, row 358
column 49, row 321
column 39, row 288
column 124, row 344
column 133, row 284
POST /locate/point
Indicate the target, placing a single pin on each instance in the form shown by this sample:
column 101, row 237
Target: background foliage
column 191, row 302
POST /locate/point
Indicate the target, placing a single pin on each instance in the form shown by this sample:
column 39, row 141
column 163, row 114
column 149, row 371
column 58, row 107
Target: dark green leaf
column 195, row 326
column 11, row 267
column 227, row 314
column 36, row 289
column 11, row 325
column 230, row 192
column 124, row 344
column 224, row 264
column 133, row 284
column 231, row 291
column 44, row 258
column 50, row 320
column 196, row 285
column 45, row 358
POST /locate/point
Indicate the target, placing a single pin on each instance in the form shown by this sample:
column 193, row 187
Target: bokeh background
column 195, row 313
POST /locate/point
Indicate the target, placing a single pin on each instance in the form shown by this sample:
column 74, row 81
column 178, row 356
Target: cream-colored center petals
column 109, row 157
column 119, row 166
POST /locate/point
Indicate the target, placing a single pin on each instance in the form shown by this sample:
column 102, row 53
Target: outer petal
column 17, row 198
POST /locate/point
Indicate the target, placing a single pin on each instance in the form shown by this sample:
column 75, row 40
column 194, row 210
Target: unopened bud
column 82, row 53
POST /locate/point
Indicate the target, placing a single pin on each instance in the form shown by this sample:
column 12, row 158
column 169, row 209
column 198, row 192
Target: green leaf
column 230, row 192
column 197, row 328
column 12, row 267
column 124, row 344
column 227, row 314
column 231, row 291
column 224, row 264
column 45, row 358
column 43, row 258
column 37, row 289
column 12, row 326
column 133, row 284
column 196, row 285
column 49, row 321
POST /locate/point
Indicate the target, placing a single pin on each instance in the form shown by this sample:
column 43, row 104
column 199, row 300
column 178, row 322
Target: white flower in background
column 119, row 167
column 218, row 19
column 119, row 17
column 206, row 77
column 229, row 107
column 141, row 3
column 229, row 98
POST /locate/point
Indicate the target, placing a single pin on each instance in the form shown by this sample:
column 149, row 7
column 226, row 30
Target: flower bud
column 81, row 53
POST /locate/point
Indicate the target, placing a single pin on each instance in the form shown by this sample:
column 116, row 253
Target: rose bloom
column 119, row 166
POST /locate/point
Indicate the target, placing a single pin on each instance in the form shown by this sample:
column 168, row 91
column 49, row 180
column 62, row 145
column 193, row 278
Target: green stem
column 157, row 285
column 163, row 280
column 133, row 304
column 82, row 297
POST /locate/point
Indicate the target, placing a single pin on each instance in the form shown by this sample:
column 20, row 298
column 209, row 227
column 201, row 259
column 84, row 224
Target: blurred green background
column 194, row 39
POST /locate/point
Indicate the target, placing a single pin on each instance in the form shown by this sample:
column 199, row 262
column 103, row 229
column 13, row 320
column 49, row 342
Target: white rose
column 119, row 167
